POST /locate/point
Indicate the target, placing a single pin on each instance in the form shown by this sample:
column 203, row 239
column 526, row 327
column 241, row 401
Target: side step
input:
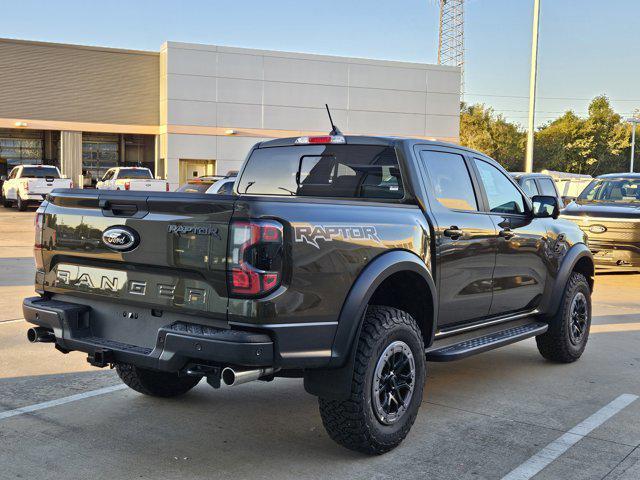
column 486, row 342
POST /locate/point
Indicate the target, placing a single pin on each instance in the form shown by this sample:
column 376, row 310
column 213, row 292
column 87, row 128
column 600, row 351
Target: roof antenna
column 334, row 130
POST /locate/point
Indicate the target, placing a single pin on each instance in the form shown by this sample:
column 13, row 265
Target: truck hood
column 602, row 210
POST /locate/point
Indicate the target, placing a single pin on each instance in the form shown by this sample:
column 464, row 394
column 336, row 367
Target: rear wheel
column 568, row 332
column 387, row 385
column 7, row 203
column 21, row 204
column 154, row 382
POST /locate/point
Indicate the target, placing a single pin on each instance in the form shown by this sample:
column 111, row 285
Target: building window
column 20, row 147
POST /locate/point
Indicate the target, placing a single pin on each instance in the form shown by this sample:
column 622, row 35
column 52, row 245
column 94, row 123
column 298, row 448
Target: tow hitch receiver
column 101, row 358
column 212, row 373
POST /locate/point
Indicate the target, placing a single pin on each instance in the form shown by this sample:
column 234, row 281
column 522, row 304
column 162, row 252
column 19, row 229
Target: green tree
column 483, row 130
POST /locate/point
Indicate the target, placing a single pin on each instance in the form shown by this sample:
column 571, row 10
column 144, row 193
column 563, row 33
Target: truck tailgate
column 176, row 261
column 42, row 186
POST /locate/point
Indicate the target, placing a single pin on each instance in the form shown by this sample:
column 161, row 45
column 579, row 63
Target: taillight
column 255, row 257
column 127, row 185
column 70, row 184
column 39, row 224
column 38, row 242
column 167, row 186
column 26, row 186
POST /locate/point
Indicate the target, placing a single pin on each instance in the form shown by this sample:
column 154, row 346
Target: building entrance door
column 190, row 169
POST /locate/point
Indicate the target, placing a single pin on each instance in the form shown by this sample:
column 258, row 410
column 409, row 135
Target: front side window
column 547, row 187
column 502, row 195
column 529, row 187
column 450, row 180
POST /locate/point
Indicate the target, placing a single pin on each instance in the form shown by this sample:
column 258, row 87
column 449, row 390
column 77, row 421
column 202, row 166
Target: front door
column 465, row 238
column 520, row 271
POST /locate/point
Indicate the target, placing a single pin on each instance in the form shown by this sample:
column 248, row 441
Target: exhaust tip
column 32, row 335
column 40, row 334
column 228, row 376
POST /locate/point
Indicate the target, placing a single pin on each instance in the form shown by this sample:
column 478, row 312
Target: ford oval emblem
column 597, row 229
column 122, row 239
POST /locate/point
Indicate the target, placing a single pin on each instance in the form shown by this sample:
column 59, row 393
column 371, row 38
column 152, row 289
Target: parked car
column 209, row 184
column 131, row 178
column 538, row 184
column 197, row 185
column 608, row 211
column 224, row 186
column 30, row 184
column 349, row 261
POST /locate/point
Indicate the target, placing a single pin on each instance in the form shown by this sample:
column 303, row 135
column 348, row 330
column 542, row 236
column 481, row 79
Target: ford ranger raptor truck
column 348, row 261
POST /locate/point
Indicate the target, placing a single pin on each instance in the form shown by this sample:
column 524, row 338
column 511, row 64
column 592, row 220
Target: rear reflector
column 320, row 139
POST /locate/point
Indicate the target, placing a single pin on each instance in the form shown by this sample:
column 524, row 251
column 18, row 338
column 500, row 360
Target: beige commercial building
column 190, row 110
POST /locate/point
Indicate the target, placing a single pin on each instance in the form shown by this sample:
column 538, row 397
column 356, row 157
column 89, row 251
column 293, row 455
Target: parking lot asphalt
column 481, row 418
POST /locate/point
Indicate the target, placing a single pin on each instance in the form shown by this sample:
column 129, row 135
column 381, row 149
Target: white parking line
column 15, row 320
column 556, row 448
column 59, row 401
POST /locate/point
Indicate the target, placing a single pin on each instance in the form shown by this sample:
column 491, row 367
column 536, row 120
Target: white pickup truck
column 131, row 178
column 27, row 184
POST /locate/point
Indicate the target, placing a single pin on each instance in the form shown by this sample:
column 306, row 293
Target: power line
column 549, row 98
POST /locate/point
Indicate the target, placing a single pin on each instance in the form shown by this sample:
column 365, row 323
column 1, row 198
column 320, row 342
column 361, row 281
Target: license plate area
column 125, row 324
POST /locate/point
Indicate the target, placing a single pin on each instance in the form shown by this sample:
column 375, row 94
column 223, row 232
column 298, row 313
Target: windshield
column 195, row 187
column 40, row 172
column 346, row 171
column 134, row 173
column 618, row 190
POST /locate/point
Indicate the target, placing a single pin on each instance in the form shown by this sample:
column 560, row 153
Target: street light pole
column 634, row 122
column 528, row 167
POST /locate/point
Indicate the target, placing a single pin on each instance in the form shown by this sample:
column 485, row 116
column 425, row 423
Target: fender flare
column 335, row 381
column 573, row 256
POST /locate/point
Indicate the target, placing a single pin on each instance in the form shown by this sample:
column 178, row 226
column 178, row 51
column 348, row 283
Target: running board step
column 486, row 342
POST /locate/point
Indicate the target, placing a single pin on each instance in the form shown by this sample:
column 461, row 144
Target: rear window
column 134, row 173
column 346, row 171
column 39, row 172
column 195, row 187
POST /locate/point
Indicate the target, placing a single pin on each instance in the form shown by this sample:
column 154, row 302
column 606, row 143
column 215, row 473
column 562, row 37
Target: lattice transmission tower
column 451, row 38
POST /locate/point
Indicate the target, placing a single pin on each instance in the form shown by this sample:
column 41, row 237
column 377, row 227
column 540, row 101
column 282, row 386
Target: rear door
column 178, row 261
column 465, row 237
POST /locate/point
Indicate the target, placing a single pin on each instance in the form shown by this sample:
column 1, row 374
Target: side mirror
column 545, row 206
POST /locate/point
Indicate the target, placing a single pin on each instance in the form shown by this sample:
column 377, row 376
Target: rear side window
column 39, row 172
column 346, row 171
column 547, row 187
column 450, row 180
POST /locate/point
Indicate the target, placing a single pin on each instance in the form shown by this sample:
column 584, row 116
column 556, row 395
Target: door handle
column 453, row 232
column 507, row 233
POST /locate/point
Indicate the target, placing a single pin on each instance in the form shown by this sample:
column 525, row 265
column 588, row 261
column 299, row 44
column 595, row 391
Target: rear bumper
column 177, row 344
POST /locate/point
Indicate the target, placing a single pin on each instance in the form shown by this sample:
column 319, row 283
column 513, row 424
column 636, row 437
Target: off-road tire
column 21, row 204
column 155, row 383
column 352, row 422
column 556, row 343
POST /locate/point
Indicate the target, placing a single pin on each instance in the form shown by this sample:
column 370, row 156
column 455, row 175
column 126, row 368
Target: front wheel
column 387, row 385
column 7, row 203
column 568, row 333
column 154, row 382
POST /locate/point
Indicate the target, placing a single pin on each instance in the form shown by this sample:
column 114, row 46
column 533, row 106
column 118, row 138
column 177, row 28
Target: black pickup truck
column 348, row 261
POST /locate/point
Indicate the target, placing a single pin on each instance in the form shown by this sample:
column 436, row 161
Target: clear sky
column 587, row 47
